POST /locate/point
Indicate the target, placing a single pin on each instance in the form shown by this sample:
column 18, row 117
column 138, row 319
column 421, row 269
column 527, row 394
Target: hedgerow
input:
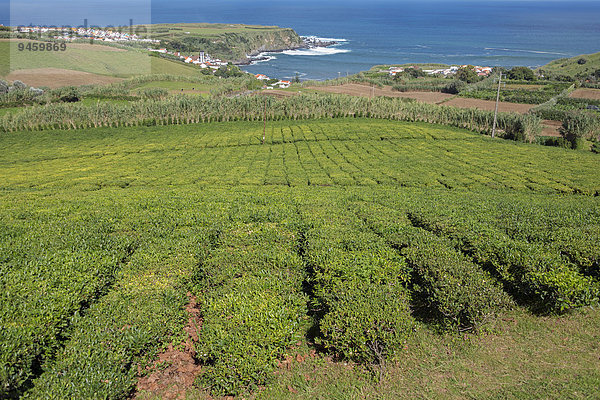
column 50, row 272
column 253, row 304
column 186, row 110
column 112, row 342
column 531, row 270
column 359, row 288
column 456, row 290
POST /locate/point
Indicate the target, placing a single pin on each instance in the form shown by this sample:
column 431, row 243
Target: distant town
column 70, row 34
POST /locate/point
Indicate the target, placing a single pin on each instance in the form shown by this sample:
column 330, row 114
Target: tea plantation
column 349, row 235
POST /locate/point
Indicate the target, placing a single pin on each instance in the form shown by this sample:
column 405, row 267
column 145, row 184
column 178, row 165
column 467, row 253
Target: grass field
column 177, row 87
column 181, row 30
column 94, row 59
column 573, row 66
column 348, row 258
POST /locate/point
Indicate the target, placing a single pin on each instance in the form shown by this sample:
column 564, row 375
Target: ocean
column 371, row 32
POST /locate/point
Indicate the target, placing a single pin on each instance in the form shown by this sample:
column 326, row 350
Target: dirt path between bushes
column 175, row 371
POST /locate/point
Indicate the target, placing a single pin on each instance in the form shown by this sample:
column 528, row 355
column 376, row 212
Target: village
column 205, row 61
column 481, row 71
column 70, row 34
column 202, row 60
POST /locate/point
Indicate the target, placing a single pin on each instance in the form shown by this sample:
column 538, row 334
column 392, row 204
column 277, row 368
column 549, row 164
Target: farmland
column 93, row 63
column 382, row 249
column 355, row 89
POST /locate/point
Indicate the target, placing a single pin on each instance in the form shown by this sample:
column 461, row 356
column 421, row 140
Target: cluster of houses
column 70, row 34
column 280, row 84
column 202, row 60
column 481, row 71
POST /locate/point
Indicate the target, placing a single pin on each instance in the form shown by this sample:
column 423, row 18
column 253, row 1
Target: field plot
column 489, row 105
column 343, row 258
column 592, row 94
column 90, row 63
column 551, row 128
column 357, row 89
column 57, row 77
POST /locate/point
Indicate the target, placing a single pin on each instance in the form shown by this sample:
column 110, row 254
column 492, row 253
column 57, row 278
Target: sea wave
column 325, row 39
column 317, row 51
column 266, row 58
column 526, row 51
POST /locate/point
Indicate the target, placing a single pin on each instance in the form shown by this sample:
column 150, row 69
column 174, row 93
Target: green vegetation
column 226, row 41
column 467, row 74
column 521, row 74
column 185, row 110
column 578, row 127
column 365, row 239
column 533, row 95
column 97, row 58
column 581, row 67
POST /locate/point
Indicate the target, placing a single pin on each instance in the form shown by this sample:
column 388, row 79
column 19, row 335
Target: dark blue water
column 483, row 32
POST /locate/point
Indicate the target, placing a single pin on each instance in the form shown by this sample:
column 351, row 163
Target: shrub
column 68, row 94
column 467, row 74
column 521, row 73
column 19, row 85
column 581, row 61
column 580, row 126
column 534, row 271
column 367, row 323
column 454, row 87
column 253, row 303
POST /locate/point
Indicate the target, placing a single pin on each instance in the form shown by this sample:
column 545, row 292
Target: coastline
column 309, row 42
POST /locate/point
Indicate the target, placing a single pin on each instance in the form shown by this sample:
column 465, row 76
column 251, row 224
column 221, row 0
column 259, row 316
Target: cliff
column 227, row 42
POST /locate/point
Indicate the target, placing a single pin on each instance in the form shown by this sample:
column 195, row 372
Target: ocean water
column 370, row 32
column 504, row 33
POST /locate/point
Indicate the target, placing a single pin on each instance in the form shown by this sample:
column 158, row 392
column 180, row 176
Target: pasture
column 83, row 64
column 342, row 258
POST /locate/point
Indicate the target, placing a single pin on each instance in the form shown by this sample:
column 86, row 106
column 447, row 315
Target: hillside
column 578, row 66
column 96, row 60
column 226, row 41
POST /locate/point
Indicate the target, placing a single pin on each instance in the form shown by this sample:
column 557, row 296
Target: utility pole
column 339, row 74
column 497, row 100
column 265, row 123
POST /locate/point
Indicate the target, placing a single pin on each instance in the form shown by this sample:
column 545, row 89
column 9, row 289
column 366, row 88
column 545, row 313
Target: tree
column 454, row 87
column 228, row 71
column 296, row 78
column 521, row 74
column 467, row 74
column 410, row 73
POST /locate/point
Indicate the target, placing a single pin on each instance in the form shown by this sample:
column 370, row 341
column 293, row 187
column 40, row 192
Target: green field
column 573, row 66
column 160, row 31
column 96, row 58
column 411, row 260
column 176, row 87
